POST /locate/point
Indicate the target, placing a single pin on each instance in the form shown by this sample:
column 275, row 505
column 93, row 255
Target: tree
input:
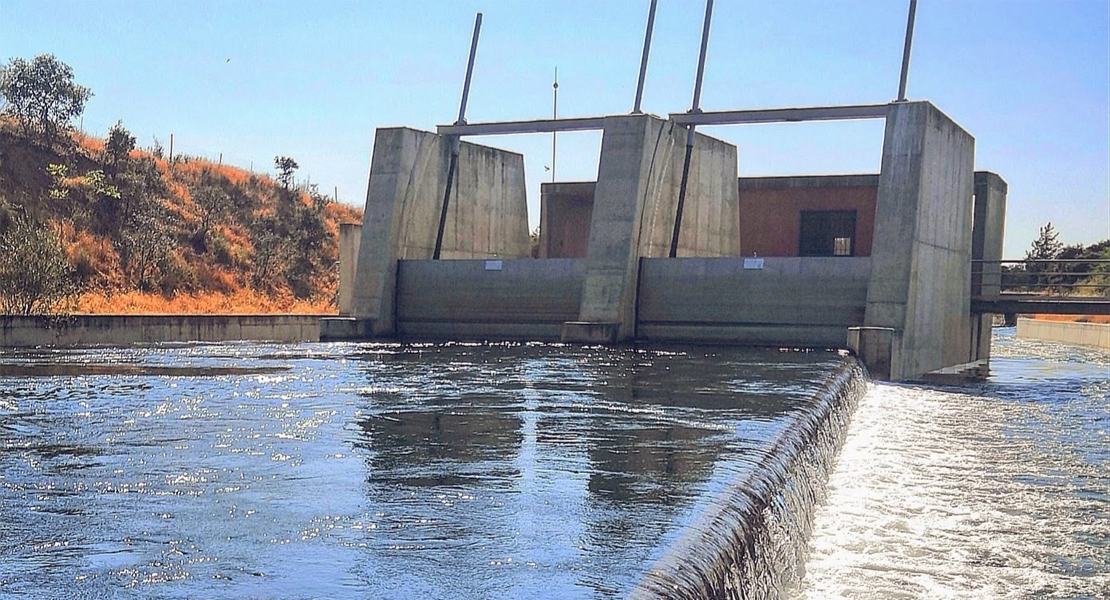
column 35, row 277
column 212, row 203
column 285, row 167
column 118, row 146
column 42, row 95
column 1047, row 246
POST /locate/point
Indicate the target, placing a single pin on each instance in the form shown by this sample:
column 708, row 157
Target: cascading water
column 751, row 540
column 996, row 489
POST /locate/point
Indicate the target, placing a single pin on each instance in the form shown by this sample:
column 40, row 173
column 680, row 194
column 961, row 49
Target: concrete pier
column 634, row 209
column 487, row 215
column 988, row 228
column 921, row 254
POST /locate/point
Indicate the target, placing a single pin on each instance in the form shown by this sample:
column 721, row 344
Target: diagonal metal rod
column 906, row 52
column 455, row 139
column 694, row 108
column 554, row 117
column 644, row 58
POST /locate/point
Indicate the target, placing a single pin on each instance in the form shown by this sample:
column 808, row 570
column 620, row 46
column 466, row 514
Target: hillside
column 147, row 234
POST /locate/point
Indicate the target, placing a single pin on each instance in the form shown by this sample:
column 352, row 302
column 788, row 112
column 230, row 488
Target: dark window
column 827, row 233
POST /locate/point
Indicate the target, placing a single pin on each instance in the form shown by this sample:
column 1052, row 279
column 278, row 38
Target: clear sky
column 312, row 80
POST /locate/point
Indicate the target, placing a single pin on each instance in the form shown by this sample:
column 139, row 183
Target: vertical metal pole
column 554, row 115
column 695, row 107
column 906, row 52
column 455, row 139
column 644, row 58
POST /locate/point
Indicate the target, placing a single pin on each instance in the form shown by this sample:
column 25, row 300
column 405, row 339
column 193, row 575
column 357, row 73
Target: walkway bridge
column 1055, row 287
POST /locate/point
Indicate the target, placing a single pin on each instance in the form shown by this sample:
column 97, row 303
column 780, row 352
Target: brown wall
column 770, row 209
column 770, row 212
column 565, row 212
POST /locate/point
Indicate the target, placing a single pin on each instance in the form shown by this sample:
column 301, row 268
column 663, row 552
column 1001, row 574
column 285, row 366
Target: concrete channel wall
column 1096, row 335
column 806, row 302
column 488, row 299
column 114, row 330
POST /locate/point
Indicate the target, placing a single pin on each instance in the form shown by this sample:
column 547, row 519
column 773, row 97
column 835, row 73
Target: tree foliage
column 285, row 166
column 35, row 277
column 118, row 146
column 42, row 96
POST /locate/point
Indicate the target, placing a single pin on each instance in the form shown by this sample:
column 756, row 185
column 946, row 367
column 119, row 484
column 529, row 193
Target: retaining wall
column 786, row 302
column 1079, row 334
column 488, row 299
column 112, row 330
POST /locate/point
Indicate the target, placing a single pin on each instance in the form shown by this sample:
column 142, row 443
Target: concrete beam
column 533, row 126
column 782, row 115
column 1047, row 306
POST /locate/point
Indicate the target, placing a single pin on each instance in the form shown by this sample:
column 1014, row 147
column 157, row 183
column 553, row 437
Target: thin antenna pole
column 906, row 52
column 455, row 139
column 644, row 58
column 690, row 137
column 554, row 115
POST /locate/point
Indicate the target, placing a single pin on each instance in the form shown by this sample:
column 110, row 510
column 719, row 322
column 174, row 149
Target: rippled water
column 372, row 471
column 994, row 490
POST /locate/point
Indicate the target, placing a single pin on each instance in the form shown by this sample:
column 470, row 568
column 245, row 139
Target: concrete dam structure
column 879, row 264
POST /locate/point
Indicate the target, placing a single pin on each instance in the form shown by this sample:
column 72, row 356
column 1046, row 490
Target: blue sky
column 312, row 80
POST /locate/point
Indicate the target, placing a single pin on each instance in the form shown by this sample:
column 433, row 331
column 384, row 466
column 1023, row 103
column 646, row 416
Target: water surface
column 371, row 470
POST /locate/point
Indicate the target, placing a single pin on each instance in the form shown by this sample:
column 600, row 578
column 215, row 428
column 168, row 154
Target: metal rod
column 455, row 139
column 694, row 108
column 554, row 117
column 644, row 58
column 470, row 68
column 906, row 52
column 696, row 105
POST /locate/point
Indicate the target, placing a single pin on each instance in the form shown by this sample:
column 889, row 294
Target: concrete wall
column 987, row 231
column 565, row 211
column 350, row 236
column 771, row 207
column 475, row 299
column 487, row 214
column 789, row 302
column 87, row 330
column 1096, row 335
column 921, row 255
column 635, row 204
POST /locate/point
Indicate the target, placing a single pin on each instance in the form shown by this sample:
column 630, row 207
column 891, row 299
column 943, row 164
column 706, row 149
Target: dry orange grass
column 241, row 302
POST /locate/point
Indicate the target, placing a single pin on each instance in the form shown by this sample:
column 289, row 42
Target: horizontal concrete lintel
column 533, row 126
column 782, row 115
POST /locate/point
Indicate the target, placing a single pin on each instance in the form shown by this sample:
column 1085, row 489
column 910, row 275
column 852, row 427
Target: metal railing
column 1080, row 278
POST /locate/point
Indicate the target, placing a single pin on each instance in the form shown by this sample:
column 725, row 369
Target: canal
column 532, row 470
